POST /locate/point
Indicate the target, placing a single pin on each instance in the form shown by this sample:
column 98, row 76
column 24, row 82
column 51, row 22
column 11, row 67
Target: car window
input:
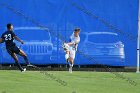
column 103, row 38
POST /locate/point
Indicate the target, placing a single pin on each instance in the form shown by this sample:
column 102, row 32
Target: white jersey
column 72, row 48
column 75, row 40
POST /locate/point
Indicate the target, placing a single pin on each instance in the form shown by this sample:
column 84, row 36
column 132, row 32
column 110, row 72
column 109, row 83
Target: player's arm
column 74, row 42
column 18, row 39
column 71, row 43
column 1, row 40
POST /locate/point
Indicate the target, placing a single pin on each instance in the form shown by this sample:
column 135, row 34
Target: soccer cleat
column 29, row 65
column 23, row 70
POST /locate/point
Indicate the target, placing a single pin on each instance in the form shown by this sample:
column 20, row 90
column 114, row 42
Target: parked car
column 38, row 45
column 103, row 47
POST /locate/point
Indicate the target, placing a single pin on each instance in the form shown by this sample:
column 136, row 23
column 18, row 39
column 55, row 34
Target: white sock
column 71, row 65
column 66, row 56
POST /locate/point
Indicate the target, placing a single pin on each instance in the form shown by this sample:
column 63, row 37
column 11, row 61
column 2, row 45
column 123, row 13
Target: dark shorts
column 13, row 49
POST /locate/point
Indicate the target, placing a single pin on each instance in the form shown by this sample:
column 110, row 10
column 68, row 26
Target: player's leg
column 71, row 60
column 67, row 56
column 13, row 55
column 21, row 53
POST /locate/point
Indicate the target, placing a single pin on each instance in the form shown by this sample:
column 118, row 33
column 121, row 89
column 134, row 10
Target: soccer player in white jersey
column 71, row 48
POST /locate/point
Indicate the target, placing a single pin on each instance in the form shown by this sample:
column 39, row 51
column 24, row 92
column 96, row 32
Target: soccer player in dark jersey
column 11, row 47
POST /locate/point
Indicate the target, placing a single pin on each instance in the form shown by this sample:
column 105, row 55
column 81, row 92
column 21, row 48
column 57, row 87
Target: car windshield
column 33, row 34
column 103, row 38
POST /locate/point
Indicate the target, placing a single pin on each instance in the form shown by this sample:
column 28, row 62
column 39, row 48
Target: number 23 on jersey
column 8, row 37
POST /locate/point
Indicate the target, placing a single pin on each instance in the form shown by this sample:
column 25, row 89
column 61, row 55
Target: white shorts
column 72, row 52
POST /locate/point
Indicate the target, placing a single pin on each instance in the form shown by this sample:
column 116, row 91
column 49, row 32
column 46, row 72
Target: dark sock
column 26, row 60
column 19, row 66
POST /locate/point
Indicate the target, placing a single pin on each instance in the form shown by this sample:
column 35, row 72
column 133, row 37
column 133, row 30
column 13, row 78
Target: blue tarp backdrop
column 109, row 30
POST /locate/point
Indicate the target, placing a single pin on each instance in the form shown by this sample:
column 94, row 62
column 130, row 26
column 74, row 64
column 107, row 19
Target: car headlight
column 119, row 45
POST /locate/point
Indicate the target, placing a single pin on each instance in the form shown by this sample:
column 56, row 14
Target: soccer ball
column 65, row 46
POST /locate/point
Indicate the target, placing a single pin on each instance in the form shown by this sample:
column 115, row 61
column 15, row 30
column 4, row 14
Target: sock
column 19, row 66
column 26, row 60
column 71, row 65
column 66, row 56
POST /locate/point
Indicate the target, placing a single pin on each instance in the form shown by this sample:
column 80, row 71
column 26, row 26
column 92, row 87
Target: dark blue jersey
column 8, row 38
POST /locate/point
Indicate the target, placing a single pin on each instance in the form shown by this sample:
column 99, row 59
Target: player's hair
column 9, row 25
column 76, row 29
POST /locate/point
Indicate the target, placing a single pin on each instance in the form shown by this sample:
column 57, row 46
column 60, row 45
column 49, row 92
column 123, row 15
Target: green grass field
column 78, row 82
